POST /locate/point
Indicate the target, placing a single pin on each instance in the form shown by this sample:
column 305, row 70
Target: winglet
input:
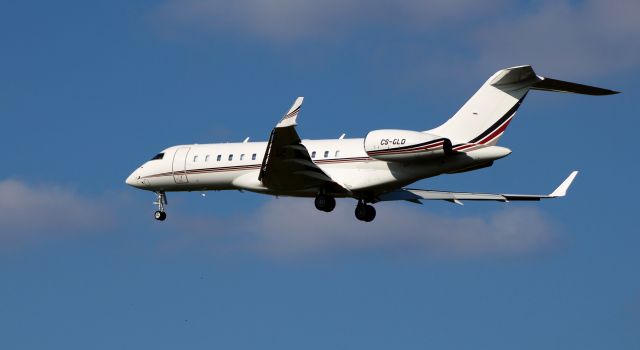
column 561, row 191
column 289, row 119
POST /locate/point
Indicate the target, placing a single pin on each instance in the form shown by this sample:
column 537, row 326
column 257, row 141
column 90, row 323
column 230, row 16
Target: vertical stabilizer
column 486, row 115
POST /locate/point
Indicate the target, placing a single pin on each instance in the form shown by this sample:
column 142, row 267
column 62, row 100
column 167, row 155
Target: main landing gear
column 161, row 201
column 365, row 212
column 325, row 203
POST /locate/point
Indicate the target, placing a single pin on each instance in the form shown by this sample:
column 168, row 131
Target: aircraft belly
column 357, row 176
column 200, row 182
column 377, row 175
column 249, row 181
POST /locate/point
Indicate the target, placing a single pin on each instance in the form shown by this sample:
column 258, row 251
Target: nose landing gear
column 161, row 201
column 365, row 212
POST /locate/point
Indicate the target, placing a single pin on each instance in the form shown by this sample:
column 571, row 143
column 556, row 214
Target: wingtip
column 605, row 92
column 561, row 191
column 289, row 119
column 295, row 106
column 297, row 102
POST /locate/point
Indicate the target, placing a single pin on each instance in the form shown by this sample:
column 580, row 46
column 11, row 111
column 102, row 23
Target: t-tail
column 486, row 115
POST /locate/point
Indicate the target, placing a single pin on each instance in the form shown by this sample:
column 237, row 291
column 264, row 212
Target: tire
column 361, row 212
column 365, row 212
column 160, row 215
column 331, row 204
column 320, row 202
column 325, row 203
column 371, row 213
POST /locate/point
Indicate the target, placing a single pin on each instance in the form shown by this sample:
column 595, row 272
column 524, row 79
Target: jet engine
column 405, row 146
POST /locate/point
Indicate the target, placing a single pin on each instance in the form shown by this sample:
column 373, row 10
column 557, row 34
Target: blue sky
column 89, row 90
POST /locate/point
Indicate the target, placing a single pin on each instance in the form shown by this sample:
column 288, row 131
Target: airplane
column 372, row 169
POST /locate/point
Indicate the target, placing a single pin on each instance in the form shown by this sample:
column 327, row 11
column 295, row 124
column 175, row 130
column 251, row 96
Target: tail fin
column 486, row 115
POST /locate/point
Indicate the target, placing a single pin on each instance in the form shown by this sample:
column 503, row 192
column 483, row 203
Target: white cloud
column 578, row 39
column 46, row 210
column 284, row 228
column 292, row 228
column 295, row 20
column 582, row 39
column 278, row 20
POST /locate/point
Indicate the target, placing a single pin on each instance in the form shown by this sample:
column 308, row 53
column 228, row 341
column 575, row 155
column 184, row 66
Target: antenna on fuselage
column 245, row 140
column 342, row 136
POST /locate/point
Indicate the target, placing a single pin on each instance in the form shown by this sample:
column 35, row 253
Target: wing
column 414, row 195
column 286, row 165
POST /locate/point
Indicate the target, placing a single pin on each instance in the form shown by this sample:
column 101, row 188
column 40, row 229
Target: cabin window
column 206, row 158
column 219, row 157
column 195, row 159
column 337, row 154
column 313, row 154
column 158, row 156
column 326, row 154
column 242, row 156
column 230, row 157
column 253, row 156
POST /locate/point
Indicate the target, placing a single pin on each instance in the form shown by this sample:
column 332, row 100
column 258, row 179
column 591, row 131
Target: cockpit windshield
column 158, row 156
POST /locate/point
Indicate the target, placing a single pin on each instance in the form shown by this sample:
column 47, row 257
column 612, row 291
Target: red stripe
column 410, row 148
column 488, row 138
column 407, row 150
column 459, row 148
column 329, row 161
column 496, row 133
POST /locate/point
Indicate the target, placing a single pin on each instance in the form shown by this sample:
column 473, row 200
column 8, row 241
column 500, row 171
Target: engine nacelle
column 405, row 146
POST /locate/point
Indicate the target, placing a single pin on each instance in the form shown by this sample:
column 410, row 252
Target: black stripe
column 497, row 124
column 238, row 167
column 294, row 112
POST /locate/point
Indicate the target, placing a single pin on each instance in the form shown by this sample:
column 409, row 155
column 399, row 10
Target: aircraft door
column 179, row 168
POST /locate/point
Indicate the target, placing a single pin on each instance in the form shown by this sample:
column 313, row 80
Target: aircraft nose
column 133, row 179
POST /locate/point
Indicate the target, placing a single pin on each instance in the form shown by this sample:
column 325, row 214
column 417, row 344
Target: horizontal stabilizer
column 548, row 84
column 518, row 77
column 514, row 76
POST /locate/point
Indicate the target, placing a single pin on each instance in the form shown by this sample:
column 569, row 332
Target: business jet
column 372, row 169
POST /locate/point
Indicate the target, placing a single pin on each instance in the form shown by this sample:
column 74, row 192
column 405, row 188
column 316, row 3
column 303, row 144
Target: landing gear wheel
column 371, row 213
column 365, row 212
column 160, row 215
column 325, row 203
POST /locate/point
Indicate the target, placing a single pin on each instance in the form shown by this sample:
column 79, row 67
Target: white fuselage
column 227, row 166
